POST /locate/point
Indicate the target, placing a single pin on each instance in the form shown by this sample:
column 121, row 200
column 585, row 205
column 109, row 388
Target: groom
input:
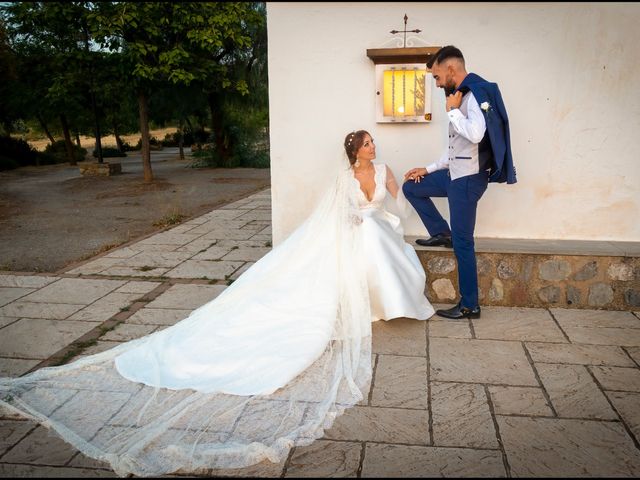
column 478, row 152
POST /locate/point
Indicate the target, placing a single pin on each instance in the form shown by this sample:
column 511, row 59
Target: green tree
column 56, row 62
column 176, row 43
column 8, row 81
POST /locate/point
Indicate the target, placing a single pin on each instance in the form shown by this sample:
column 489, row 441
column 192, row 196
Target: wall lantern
column 403, row 82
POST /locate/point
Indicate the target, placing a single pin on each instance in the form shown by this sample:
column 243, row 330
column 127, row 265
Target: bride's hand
column 355, row 219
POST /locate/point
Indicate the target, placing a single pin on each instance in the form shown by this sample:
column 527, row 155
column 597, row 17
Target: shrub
column 7, row 163
column 57, row 152
column 170, row 140
column 173, row 139
column 15, row 152
column 110, row 152
column 154, row 144
column 126, row 146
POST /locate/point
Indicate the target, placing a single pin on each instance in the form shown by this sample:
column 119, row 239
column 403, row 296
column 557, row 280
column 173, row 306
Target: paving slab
column 573, row 392
column 618, row 378
column 627, row 405
column 480, row 361
column 595, row 318
column 377, row 424
column 40, row 447
column 26, row 281
column 15, row 367
column 401, row 336
column 206, row 269
column 509, row 400
column 158, row 316
column 400, row 382
column 623, row 337
column 461, row 416
column 128, row 331
column 184, row 297
column 54, row 311
column 579, row 354
column 407, row 461
column 447, row 328
column 4, row 321
column 9, row 294
column 76, row 291
column 33, row 471
column 325, row 459
column 247, row 254
column 12, row 432
column 138, row 287
column 529, row 324
column 31, row 338
column 106, row 307
column 541, row 447
column 634, row 353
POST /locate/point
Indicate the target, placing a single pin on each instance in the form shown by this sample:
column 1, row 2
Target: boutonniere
column 485, row 106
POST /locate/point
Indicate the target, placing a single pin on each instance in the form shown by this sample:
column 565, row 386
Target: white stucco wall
column 568, row 75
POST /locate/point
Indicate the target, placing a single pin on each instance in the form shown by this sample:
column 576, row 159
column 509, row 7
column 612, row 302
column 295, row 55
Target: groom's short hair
column 445, row 53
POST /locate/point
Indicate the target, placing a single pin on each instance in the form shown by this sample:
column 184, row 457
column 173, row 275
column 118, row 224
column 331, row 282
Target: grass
column 39, row 142
column 79, row 347
column 169, row 219
column 75, row 350
column 102, row 249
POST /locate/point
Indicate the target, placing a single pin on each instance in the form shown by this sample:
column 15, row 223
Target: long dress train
column 265, row 366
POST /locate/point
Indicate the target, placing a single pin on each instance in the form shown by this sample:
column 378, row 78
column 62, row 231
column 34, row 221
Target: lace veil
column 149, row 430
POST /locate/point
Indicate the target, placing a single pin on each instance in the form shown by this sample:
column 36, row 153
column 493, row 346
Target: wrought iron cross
column 404, row 43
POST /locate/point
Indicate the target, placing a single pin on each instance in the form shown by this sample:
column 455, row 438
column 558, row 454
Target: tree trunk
column 67, row 140
column 189, row 124
column 222, row 147
column 78, row 138
column 181, row 138
column 118, row 139
column 46, row 130
column 94, row 107
column 98, row 135
column 144, row 131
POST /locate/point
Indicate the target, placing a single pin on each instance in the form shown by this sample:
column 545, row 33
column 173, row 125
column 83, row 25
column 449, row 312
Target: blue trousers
column 463, row 194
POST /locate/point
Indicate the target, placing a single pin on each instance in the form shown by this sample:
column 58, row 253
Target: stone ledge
column 103, row 169
column 543, row 246
column 541, row 273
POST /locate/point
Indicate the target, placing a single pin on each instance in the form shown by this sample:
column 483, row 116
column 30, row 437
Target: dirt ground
column 52, row 216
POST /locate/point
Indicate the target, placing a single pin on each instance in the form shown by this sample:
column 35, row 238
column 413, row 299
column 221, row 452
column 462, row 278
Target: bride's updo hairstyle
column 352, row 143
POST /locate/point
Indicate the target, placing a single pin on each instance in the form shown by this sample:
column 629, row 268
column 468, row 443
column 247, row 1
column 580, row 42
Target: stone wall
column 100, row 169
column 539, row 280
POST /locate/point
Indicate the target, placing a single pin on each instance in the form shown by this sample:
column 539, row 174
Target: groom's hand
column 415, row 174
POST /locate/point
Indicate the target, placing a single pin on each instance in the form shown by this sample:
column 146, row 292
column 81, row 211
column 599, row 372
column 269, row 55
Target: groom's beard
column 449, row 89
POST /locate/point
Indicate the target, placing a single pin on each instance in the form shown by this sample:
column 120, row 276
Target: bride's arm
column 397, row 194
column 392, row 185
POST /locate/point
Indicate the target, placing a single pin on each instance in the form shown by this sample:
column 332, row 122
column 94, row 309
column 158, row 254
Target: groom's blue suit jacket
column 499, row 157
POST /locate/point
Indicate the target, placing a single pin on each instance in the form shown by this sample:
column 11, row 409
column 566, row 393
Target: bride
column 267, row 365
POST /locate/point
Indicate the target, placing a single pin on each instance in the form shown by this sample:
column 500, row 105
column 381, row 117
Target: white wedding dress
column 265, row 366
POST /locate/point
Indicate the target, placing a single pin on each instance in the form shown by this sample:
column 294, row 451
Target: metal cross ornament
column 404, row 43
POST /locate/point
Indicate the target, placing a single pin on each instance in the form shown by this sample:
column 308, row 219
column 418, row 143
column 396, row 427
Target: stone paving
column 521, row 392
